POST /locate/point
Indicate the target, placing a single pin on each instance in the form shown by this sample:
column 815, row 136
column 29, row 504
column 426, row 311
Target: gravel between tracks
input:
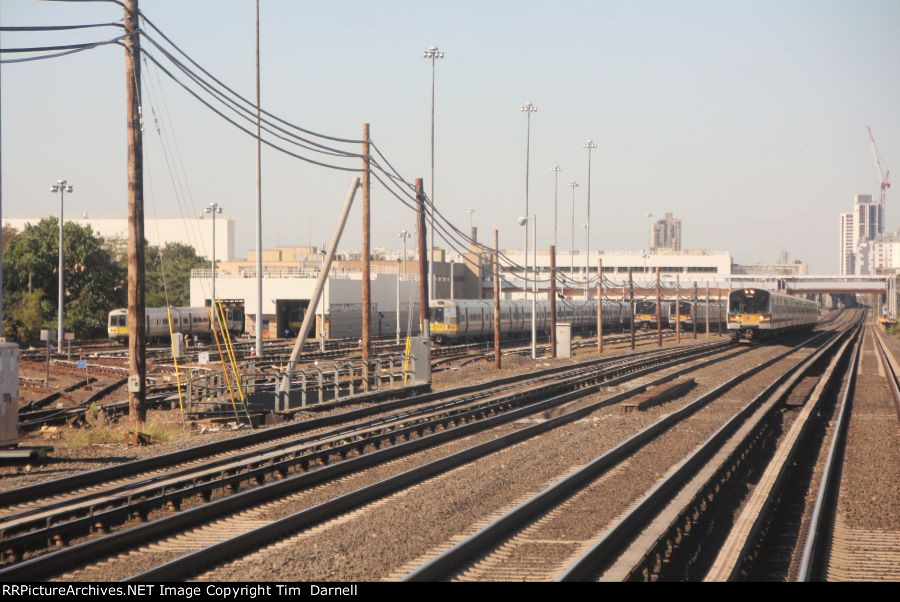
column 133, row 563
column 65, row 461
column 383, row 539
column 872, row 465
column 866, row 544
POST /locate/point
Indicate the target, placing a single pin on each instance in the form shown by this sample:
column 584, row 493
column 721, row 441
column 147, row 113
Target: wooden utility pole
column 424, row 328
column 259, row 249
column 553, row 301
column 137, row 362
column 497, row 357
column 678, row 309
column 658, row 312
column 631, row 305
column 694, row 311
column 599, row 306
column 707, row 309
column 721, row 317
column 366, row 253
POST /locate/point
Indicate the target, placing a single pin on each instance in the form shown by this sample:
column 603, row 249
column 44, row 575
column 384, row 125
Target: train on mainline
column 192, row 321
column 755, row 314
column 469, row 320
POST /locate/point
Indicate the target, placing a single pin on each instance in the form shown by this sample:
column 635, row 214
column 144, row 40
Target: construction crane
column 883, row 176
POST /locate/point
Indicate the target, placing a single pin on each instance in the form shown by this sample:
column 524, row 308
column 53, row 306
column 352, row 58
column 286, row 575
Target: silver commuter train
column 717, row 313
column 755, row 313
column 185, row 320
column 459, row 320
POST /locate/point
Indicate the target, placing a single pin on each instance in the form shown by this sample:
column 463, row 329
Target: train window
column 742, row 303
column 437, row 314
column 645, row 307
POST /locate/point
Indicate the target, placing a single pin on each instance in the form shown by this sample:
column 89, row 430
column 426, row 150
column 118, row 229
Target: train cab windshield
column 645, row 307
column 684, row 308
column 748, row 301
column 117, row 320
column 437, row 314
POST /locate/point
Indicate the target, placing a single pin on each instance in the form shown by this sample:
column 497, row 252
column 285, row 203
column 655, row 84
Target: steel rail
column 189, row 564
column 59, row 560
column 812, row 561
column 744, row 534
column 449, row 562
column 629, row 526
column 64, row 484
column 139, row 498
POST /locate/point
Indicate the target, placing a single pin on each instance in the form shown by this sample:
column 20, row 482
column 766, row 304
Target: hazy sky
column 745, row 119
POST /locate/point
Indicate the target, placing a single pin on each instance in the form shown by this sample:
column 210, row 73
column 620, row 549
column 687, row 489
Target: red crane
column 883, row 176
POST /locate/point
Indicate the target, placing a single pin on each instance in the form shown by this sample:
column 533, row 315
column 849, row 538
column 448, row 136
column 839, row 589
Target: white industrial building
column 287, row 294
column 692, row 265
column 194, row 232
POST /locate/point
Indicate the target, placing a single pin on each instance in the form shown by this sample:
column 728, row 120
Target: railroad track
column 444, row 358
column 321, row 460
column 533, row 539
column 836, row 546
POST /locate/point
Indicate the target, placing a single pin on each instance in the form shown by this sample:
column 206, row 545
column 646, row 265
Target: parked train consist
column 645, row 315
column 192, row 321
column 756, row 314
column 460, row 320
column 686, row 314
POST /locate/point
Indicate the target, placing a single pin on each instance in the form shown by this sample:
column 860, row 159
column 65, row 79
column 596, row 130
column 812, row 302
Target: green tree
column 9, row 233
column 94, row 281
column 172, row 273
column 26, row 314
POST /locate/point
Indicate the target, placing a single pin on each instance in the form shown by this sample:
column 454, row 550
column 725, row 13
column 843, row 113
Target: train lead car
column 757, row 314
column 185, row 320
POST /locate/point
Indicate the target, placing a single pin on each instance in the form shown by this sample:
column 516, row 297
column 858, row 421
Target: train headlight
column 765, row 318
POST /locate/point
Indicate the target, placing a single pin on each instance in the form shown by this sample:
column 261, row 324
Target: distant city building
column 847, row 245
column 794, row 268
column 691, row 265
column 666, row 234
column 869, row 218
column 193, row 232
column 859, row 230
column 885, row 253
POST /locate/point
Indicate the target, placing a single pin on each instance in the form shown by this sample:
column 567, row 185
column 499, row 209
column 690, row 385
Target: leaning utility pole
column 497, row 360
column 137, row 364
column 424, row 327
column 366, row 263
column 553, row 301
column 599, row 306
column 658, row 312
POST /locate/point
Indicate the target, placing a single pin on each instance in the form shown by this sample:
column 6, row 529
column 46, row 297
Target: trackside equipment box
column 9, row 394
column 563, row 340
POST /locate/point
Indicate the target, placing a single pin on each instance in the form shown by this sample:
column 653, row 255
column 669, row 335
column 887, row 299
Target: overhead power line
column 55, row 51
column 58, row 27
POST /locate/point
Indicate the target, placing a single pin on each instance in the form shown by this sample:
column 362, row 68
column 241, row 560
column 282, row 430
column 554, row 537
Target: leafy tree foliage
column 26, row 315
column 94, row 281
column 170, row 268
